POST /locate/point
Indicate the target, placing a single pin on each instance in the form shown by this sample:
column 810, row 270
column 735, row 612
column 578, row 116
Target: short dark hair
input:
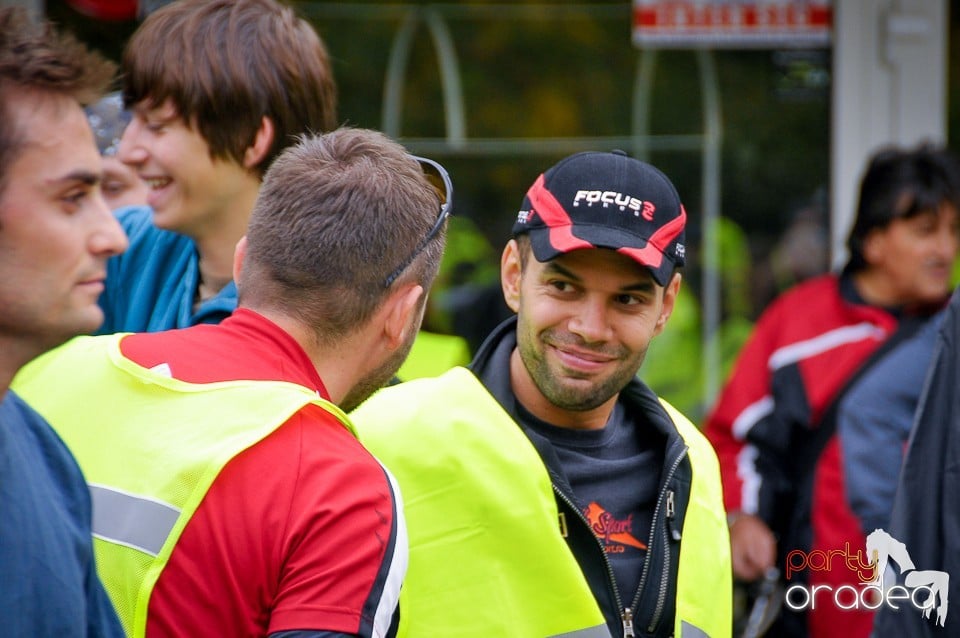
column 901, row 183
column 35, row 58
column 335, row 215
column 225, row 64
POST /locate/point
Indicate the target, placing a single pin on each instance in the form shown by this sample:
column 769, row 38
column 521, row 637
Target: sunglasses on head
column 438, row 177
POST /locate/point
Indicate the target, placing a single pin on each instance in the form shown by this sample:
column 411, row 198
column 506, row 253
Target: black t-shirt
column 614, row 473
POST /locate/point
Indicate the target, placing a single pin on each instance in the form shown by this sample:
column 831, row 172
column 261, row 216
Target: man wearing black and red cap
column 547, row 490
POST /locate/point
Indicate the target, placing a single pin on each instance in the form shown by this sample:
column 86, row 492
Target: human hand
column 753, row 547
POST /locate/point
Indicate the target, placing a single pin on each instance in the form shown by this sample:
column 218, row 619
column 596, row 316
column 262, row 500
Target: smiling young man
column 548, row 491
column 217, row 90
column 56, row 234
column 774, row 425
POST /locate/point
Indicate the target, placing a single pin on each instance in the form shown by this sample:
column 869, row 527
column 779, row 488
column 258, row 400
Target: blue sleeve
column 101, row 617
column 50, row 585
column 874, row 422
column 925, row 516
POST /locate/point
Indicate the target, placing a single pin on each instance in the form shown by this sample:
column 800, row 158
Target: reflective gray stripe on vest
column 133, row 521
column 600, row 631
column 691, row 631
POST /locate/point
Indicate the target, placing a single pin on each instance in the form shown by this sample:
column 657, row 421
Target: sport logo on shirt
column 614, row 533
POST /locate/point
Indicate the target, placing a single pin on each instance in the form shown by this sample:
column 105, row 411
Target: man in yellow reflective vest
column 231, row 496
column 547, row 490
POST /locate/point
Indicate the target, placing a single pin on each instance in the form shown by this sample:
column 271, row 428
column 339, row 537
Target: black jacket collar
column 492, row 366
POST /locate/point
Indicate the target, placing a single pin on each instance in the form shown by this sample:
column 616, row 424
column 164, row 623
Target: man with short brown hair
column 56, row 234
column 233, row 497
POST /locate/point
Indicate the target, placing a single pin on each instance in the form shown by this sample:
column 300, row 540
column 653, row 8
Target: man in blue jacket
column 56, row 234
column 926, row 515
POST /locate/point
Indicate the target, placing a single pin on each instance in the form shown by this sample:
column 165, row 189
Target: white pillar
column 889, row 86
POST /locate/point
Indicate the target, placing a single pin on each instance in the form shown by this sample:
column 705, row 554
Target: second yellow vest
column 486, row 555
column 149, row 446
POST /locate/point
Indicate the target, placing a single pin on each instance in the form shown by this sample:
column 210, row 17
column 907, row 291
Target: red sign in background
column 732, row 23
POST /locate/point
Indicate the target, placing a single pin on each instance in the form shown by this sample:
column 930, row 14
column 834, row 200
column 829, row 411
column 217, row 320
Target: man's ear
column 262, row 142
column 669, row 302
column 510, row 274
column 403, row 312
column 239, row 254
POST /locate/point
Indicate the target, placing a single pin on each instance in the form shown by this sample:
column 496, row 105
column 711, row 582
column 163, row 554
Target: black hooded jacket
column 653, row 605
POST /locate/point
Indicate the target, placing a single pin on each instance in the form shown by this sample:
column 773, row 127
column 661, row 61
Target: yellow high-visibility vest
column 433, row 354
column 486, row 554
column 149, row 446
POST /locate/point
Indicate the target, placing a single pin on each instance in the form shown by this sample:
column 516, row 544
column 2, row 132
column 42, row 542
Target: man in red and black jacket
column 773, row 425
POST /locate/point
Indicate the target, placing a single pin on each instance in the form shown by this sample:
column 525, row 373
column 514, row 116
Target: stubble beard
column 376, row 379
column 561, row 388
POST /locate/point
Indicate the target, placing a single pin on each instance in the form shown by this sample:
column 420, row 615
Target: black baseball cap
column 606, row 200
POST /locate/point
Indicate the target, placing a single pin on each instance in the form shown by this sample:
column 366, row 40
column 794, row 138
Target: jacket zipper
column 628, row 623
column 666, row 501
column 664, row 584
column 606, row 561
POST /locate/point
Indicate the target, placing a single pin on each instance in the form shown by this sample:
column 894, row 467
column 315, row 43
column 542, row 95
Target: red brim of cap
column 550, row 243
